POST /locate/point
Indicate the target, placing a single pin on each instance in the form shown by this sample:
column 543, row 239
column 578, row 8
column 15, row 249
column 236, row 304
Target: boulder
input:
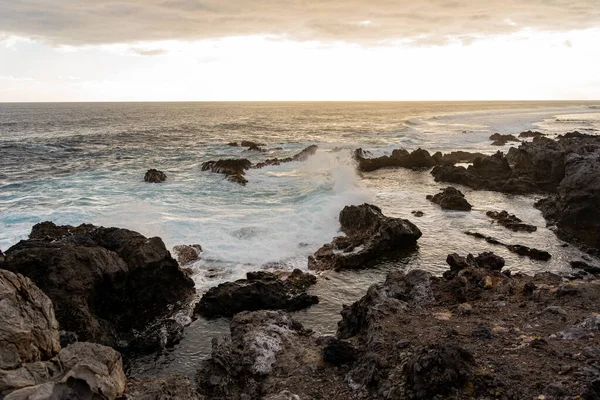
column 233, row 144
column 187, row 254
column 155, row 176
column 451, row 198
column 29, row 331
column 227, row 166
column 369, row 235
column 80, row 371
column 107, row 284
column 510, row 221
column 486, row 260
column 260, row 291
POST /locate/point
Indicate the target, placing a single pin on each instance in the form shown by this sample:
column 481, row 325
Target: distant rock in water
column 304, row 154
column 418, row 159
column 510, row 221
column 155, row 176
column 228, row 166
column 233, row 144
column 417, row 214
column 501, row 140
column 451, row 199
column 249, row 143
column 521, row 250
column 531, row 134
column 255, row 148
column 187, row 254
column 260, row 291
column 104, row 282
column 369, row 235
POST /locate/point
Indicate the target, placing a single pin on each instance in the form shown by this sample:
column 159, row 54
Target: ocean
column 75, row 163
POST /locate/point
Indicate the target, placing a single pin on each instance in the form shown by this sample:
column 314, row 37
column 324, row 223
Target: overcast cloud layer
column 79, row 22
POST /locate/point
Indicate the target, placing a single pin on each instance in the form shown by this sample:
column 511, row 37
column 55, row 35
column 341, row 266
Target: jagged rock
column 28, row 329
column 510, row 221
column 261, row 343
column 531, row 134
column 521, row 250
column 187, row 254
column 249, row 143
column 173, row 387
column 459, row 157
column 237, row 178
column 400, row 158
column 437, row 370
column 451, row 198
column 338, row 352
column 399, row 292
column 574, row 209
column 301, row 280
column 304, row 154
column 369, row 233
column 80, row 371
column 506, row 138
column 260, row 291
column 486, row 260
column 229, row 167
column 105, row 283
column 155, row 176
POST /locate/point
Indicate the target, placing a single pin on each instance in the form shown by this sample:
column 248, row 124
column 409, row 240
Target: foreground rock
column 476, row 333
column 369, row 235
column 519, row 249
column 155, row 176
column 29, row 331
column 80, row 371
column 260, row 291
column 451, row 199
column 510, row 221
column 107, row 284
column 174, row 387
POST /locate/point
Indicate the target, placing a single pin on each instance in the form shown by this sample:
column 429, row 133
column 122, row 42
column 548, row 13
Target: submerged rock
column 29, row 331
column 510, row 221
column 260, row 291
column 369, row 235
column 451, row 199
column 105, row 283
column 155, row 176
column 521, row 250
column 187, row 254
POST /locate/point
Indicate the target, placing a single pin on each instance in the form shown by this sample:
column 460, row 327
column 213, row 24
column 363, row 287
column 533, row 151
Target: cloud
column 149, row 52
column 73, row 22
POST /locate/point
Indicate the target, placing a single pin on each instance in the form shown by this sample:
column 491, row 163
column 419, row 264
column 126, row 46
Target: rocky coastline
column 79, row 303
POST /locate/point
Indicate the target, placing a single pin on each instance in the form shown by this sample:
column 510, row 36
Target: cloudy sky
column 152, row 50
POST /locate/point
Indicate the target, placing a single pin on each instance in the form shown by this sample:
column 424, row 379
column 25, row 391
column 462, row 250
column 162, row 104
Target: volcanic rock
column 105, row 283
column 510, row 221
column 260, row 291
column 187, row 254
column 400, row 158
column 521, row 250
column 369, row 235
column 172, row 387
column 531, row 134
column 451, row 199
column 155, row 176
column 228, row 166
column 304, row 154
column 249, row 143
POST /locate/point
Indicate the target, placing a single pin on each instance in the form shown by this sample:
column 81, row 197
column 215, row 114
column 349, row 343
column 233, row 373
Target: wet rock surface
column 187, row 254
column 510, row 221
column 107, row 284
column 260, row 291
column 155, row 176
column 399, row 158
column 451, row 198
column 173, row 387
column 369, row 235
column 519, row 249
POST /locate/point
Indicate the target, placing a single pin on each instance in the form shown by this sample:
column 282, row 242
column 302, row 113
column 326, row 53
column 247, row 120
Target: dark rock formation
column 105, row 283
column 256, row 148
column 581, row 265
column 531, row 134
column 451, row 199
column 400, row 158
column 521, row 250
column 339, row 352
column 29, row 331
column 458, row 157
column 304, row 154
column 486, row 260
column 249, row 143
column 155, row 176
column 260, row 291
column 369, row 235
column 417, row 214
column 173, row 387
column 237, row 178
column 187, row 254
column 510, row 221
column 233, row 144
column 501, row 140
column 228, row 166
column 437, row 370
column 574, row 209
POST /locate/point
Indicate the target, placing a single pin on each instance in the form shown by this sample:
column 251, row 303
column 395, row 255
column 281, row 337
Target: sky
column 274, row 50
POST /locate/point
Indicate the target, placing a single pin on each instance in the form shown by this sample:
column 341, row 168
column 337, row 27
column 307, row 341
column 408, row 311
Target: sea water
column 76, row 163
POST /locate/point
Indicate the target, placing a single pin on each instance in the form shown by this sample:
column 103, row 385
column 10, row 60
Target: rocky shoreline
column 79, row 303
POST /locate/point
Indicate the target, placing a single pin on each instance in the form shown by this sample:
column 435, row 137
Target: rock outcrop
column 531, row 134
column 234, row 169
column 107, row 284
column 29, row 331
column 187, row 254
column 418, row 159
column 501, row 140
column 260, row 291
column 451, row 198
column 510, row 221
column 369, row 235
column 155, row 176
column 534, row 254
